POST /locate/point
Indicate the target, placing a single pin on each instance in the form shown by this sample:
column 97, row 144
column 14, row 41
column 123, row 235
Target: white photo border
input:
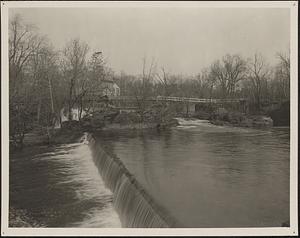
column 280, row 231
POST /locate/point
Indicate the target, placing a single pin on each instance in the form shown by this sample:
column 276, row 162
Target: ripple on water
column 63, row 188
column 212, row 176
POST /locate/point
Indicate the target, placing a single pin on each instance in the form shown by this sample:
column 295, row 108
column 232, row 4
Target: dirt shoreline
column 21, row 218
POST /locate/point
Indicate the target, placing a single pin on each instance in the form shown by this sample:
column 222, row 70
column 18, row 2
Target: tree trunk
column 70, row 116
column 39, row 110
column 80, row 109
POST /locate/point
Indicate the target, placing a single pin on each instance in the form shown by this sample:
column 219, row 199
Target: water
column 135, row 207
column 61, row 187
column 211, row 176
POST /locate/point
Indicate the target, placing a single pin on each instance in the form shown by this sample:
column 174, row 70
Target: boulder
column 262, row 121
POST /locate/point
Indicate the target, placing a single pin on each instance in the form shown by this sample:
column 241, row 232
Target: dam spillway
column 135, row 207
column 200, row 175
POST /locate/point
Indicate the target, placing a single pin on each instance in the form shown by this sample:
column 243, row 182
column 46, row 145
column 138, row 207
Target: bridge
column 129, row 103
column 177, row 99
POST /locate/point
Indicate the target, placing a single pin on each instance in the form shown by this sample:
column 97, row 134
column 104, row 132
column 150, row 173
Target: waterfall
column 136, row 208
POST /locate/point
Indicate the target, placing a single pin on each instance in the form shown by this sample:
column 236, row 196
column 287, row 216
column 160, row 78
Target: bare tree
column 143, row 88
column 44, row 68
column 164, row 81
column 74, row 70
column 23, row 42
column 282, row 75
column 258, row 74
column 204, row 84
column 228, row 73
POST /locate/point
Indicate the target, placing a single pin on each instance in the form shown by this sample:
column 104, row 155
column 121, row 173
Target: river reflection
column 211, row 176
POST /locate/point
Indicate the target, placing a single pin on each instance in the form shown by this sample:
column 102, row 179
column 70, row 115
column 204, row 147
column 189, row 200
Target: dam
column 197, row 175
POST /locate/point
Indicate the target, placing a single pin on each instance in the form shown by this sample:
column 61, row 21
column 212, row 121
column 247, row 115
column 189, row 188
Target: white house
column 110, row 88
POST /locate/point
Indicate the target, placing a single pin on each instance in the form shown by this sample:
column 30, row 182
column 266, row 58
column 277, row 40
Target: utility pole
column 51, row 95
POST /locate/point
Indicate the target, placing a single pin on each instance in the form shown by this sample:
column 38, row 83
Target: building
column 107, row 88
column 110, row 88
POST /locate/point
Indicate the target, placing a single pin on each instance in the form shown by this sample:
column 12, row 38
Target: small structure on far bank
column 110, row 88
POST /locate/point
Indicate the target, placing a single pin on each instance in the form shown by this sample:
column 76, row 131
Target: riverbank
column 162, row 116
column 21, row 218
column 224, row 117
column 110, row 119
column 241, row 120
column 267, row 116
column 233, row 119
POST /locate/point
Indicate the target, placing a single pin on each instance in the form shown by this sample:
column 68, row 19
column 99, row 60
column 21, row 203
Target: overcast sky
column 183, row 40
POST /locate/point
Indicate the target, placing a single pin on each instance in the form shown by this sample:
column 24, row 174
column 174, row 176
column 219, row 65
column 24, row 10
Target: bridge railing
column 197, row 100
column 179, row 99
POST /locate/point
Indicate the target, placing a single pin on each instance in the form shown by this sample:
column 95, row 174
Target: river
column 60, row 187
column 203, row 175
column 211, row 176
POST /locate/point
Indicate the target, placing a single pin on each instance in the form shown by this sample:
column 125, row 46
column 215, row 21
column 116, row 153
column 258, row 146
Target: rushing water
column 194, row 175
column 61, row 187
column 136, row 208
column 211, row 176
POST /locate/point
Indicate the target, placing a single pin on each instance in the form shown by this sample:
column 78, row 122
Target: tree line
column 44, row 80
column 230, row 77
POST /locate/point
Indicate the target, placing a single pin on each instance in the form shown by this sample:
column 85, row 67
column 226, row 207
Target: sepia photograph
column 155, row 115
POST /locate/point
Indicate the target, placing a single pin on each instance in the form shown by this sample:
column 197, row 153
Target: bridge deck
column 178, row 99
